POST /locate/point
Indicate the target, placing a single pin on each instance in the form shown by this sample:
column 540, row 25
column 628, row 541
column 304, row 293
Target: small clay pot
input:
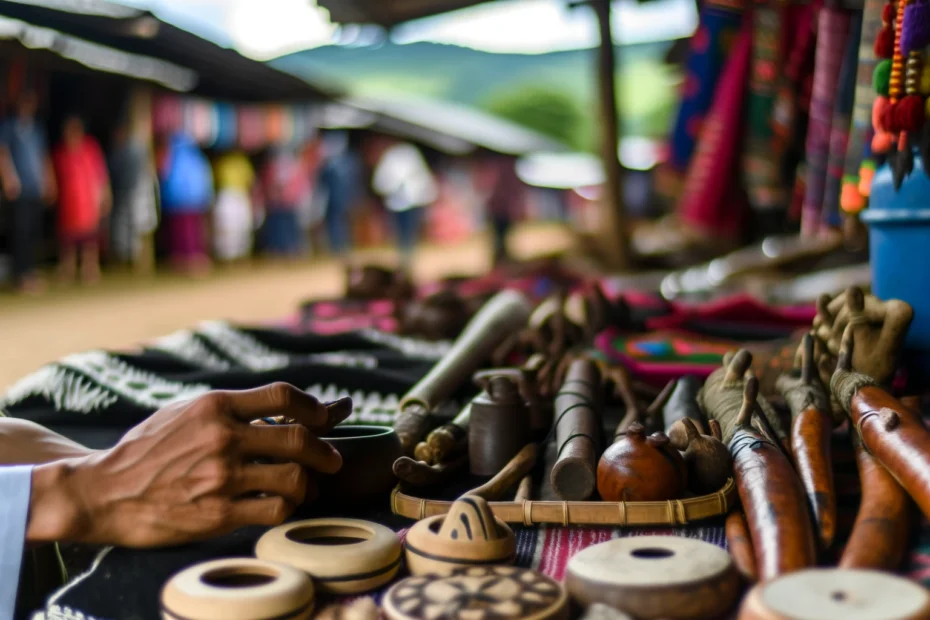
column 638, row 468
column 708, row 460
column 367, row 475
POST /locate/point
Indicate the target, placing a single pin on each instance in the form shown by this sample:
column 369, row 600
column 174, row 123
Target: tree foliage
column 549, row 111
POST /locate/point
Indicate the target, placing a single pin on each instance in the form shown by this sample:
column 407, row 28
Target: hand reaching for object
column 191, row 471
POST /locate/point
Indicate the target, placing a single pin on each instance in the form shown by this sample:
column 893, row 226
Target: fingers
column 287, row 480
column 288, row 401
column 290, row 442
column 260, row 511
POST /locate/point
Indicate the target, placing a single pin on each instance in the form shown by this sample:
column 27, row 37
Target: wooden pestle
column 578, row 432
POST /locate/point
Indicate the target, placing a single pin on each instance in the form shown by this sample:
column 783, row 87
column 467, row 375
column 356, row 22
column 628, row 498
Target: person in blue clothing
column 193, row 470
column 341, row 182
column 186, row 197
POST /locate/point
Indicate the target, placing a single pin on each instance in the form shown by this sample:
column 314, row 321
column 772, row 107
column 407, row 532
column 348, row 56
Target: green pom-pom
column 882, row 77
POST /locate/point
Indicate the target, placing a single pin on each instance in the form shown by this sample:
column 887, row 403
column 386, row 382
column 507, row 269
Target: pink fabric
column 741, row 308
column 711, row 199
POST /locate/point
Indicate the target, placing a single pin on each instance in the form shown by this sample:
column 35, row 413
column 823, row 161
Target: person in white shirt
column 193, row 470
column 405, row 182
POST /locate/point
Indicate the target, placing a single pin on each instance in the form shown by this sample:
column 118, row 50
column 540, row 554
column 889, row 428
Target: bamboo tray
column 528, row 513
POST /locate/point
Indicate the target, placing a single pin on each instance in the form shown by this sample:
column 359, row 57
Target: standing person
column 84, row 198
column 405, row 182
column 285, row 185
column 505, row 202
column 233, row 218
column 134, row 216
column 28, row 186
column 186, row 196
column 341, row 183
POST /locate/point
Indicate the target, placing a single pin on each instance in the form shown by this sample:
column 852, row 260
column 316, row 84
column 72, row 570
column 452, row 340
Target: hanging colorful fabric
column 711, row 45
column 274, row 124
column 858, row 163
column 167, row 114
column 832, row 33
column 840, row 125
column 251, row 128
column 226, row 126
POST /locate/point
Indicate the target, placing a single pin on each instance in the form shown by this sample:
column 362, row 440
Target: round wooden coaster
column 478, row 593
column 237, row 589
column 832, row 593
column 469, row 535
column 655, row 577
column 344, row 556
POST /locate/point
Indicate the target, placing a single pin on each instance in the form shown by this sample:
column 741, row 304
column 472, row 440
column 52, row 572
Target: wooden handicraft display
column 238, row 589
column 470, row 535
column 666, row 577
column 478, row 593
column 344, row 556
column 837, row 594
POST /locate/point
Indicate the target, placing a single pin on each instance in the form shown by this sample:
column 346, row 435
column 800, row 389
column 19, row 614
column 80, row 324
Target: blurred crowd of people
column 172, row 199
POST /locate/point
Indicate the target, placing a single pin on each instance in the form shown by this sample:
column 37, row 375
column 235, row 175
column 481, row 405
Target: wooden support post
column 614, row 236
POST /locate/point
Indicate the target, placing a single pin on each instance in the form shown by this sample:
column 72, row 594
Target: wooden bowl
column 237, row 589
column 343, row 556
column 367, row 475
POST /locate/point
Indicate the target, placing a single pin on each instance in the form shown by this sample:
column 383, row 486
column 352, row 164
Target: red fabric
column 740, row 309
column 82, row 175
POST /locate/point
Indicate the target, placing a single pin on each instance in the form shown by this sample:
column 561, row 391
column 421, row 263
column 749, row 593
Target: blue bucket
column 899, row 244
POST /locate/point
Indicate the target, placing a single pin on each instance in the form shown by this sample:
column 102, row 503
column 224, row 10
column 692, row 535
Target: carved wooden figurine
column 468, row 535
column 834, row 593
column 656, row 577
column 238, row 589
column 707, row 458
column 344, row 556
column 478, row 593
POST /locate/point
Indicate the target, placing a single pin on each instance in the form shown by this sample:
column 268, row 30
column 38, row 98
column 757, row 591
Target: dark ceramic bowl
column 367, row 475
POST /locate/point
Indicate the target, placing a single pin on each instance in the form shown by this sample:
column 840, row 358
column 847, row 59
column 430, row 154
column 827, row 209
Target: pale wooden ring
column 427, row 552
column 655, row 577
column 834, row 593
column 340, row 568
column 189, row 596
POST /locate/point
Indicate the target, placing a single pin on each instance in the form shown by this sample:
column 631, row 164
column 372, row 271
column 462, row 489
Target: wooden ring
column 237, row 589
column 655, row 577
column 829, row 593
column 344, row 556
column 428, row 552
column 478, row 593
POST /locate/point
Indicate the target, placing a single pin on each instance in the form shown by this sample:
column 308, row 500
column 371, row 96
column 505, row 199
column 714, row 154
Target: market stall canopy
column 389, row 13
column 221, row 73
column 452, row 128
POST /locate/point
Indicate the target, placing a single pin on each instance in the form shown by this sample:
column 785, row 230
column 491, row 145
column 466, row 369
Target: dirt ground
column 125, row 310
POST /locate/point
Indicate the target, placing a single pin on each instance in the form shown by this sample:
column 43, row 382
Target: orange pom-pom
column 851, row 201
column 866, row 174
column 890, row 119
column 884, row 43
column 909, row 113
column 881, row 142
column 878, row 112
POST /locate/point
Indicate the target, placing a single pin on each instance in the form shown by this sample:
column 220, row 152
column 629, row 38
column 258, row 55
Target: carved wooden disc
column 344, row 556
column 478, row 593
column 655, row 577
column 237, row 589
column 836, row 593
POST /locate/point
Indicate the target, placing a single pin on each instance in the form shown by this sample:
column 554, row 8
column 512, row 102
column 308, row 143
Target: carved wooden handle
column 520, row 465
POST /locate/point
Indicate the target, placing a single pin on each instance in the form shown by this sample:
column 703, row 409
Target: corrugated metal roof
column 222, row 73
column 390, row 12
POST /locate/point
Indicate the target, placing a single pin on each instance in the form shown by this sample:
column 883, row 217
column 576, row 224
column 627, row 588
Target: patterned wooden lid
column 478, row 593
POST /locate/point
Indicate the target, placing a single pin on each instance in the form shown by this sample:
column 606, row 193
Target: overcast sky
column 264, row 29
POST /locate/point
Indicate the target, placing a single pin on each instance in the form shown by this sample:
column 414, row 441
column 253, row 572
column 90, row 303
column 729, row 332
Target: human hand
column 191, row 471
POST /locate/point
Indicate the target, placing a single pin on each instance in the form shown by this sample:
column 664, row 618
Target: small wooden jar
column 837, row 593
column 238, row 589
column 469, row 535
column 344, row 556
column 667, row 577
column 478, row 593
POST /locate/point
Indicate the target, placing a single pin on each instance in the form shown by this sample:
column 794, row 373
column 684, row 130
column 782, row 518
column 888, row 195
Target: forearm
column 27, row 443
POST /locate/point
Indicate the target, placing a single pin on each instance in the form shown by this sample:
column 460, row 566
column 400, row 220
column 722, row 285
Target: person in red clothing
column 83, row 199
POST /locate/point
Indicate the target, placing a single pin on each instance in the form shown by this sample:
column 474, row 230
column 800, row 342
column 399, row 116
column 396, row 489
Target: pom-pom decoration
column 910, row 113
column 881, row 142
column 866, row 174
column 888, row 12
column 878, row 113
column 851, row 201
column 881, row 77
column 884, row 43
column 915, row 31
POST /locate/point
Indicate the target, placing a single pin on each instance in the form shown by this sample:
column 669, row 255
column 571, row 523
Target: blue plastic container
column 899, row 244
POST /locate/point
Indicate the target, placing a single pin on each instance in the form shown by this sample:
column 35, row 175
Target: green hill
column 465, row 75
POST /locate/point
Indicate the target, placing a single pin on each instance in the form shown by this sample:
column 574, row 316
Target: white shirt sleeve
column 15, row 487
